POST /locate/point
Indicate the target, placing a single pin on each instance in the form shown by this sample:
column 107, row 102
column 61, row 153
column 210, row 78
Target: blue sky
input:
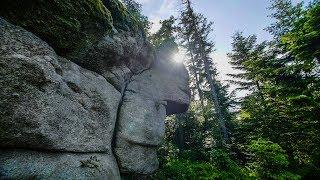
column 229, row 16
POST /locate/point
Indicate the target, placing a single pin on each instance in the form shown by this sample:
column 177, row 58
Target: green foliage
column 284, row 13
column 279, row 118
column 268, row 161
column 268, row 154
column 246, row 55
column 135, row 10
column 126, row 19
column 180, row 169
column 303, row 40
column 283, row 106
column 284, row 102
column 164, row 39
column 193, row 149
column 219, row 165
column 194, row 30
column 222, row 160
column 188, row 135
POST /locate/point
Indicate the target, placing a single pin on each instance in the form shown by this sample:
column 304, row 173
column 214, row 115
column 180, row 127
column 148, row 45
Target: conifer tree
column 164, row 37
column 287, row 113
column 284, row 13
column 187, row 27
column 195, row 30
column 135, row 9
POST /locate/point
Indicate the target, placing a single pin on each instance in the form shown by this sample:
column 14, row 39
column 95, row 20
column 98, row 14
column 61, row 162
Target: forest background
column 269, row 132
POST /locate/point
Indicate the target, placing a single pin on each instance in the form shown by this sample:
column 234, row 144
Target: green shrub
column 185, row 169
column 181, row 169
column 268, row 161
column 221, row 159
column 229, row 169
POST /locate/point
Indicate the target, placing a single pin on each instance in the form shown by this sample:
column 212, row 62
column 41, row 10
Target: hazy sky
column 229, row 16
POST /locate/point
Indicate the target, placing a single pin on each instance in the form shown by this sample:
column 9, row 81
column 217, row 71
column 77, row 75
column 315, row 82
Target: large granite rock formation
column 82, row 114
column 48, row 102
column 98, row 35
column 149, row 97
column 28, row 164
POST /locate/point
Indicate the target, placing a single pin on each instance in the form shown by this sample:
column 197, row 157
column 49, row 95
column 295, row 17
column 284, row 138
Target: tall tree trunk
column 216, row 102
column 196, row 74
column 180, row 132
column 209, row 78
column 259, row 92
column 199, row 90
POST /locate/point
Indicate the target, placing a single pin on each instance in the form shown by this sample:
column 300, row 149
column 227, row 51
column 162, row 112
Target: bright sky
column 229, row 16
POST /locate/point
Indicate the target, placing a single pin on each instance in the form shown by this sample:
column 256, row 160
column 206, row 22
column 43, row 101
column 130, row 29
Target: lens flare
column 178, row 57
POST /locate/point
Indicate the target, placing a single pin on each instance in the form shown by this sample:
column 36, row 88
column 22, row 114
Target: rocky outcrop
column 82, row 22
column 149, row 97
column 51, row 104
column 26, row 164
column 81, row 117
column 118, row 58
column 99, row 35
column 57, row 104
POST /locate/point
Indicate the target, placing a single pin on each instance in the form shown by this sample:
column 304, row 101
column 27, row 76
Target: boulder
column 95, row 34
column 94, row 91
column 140, row 130
column 121, row 55
column 70, row 27
column 136, row 158
column 48, row 102
column 166, row 81
column 148, row 98
column 24, row 164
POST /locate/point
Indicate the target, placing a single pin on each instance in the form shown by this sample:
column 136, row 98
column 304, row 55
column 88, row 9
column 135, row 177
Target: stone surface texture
column 48, row 102
column 92, row 114
column 25, row 164
column 150, row 96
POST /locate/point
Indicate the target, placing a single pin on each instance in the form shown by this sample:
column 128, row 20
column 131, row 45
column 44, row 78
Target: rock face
column 24, row 164
column 85, row 115
column 149, row 97
column 98, row 35
column 51, row 104
column 55, row 104
column 82, row 22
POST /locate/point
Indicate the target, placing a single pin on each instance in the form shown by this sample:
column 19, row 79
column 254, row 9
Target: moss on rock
column 122, row 19
column 77, row 29
column 69, row 26
column 2, row 132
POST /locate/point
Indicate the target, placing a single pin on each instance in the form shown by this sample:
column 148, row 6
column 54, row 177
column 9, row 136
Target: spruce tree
column 187, row 26
column 195, row 31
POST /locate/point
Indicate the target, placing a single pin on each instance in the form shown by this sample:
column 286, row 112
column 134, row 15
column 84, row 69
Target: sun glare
column 178, row 57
